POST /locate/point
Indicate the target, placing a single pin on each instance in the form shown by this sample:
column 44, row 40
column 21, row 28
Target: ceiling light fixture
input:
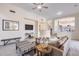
column 39, row 7
column 59, row 13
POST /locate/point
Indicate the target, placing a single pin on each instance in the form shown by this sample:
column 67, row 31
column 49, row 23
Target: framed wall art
column 9, row 25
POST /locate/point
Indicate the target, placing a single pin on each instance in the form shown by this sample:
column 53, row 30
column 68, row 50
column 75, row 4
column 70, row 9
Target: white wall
column 18, row 16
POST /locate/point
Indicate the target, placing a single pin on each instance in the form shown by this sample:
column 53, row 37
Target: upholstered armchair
column 58, row 46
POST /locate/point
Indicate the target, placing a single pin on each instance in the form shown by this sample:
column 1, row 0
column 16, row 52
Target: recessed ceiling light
column 59, row 13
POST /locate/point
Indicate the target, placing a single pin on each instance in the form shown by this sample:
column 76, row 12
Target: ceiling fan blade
column 34, row 8
column 36, row 3
column 45, row 7
column 41, row 3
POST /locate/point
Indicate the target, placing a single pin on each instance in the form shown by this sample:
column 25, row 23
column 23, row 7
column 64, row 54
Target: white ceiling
column 53, row 8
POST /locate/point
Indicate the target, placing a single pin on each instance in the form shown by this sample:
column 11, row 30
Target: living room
column 30, row 29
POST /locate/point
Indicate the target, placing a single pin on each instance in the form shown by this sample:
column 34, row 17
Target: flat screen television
column 28, row 27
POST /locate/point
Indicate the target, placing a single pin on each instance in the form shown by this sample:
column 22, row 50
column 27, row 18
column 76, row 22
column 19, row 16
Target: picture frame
column 9, row 25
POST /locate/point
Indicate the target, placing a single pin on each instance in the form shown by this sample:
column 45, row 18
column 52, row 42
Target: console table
column 6, row 41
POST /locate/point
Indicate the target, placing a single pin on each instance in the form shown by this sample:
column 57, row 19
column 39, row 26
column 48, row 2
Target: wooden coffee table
column 43, row 49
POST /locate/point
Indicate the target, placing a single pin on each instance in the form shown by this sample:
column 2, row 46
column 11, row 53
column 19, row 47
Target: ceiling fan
column 39, row 6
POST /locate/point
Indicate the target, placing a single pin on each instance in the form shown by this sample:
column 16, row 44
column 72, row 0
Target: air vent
column 12, row 11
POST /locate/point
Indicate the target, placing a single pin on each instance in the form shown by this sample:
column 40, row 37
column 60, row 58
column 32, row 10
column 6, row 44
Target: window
column 65, row 24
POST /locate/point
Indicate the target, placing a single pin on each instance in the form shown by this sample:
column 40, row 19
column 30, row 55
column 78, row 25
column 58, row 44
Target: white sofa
column 71, row 48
